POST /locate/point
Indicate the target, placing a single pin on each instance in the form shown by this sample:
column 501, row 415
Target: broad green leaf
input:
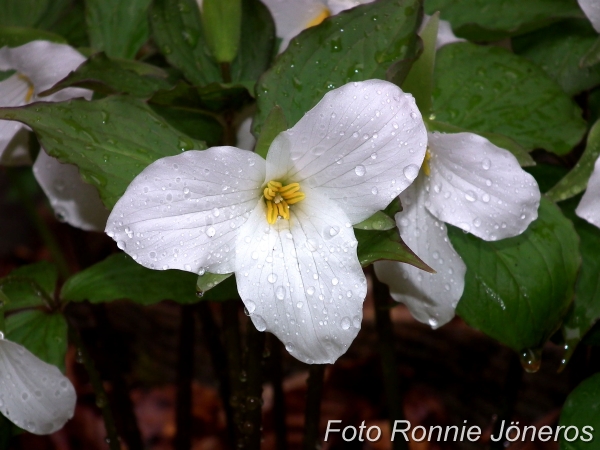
column 274, row 124
column 71, row 25
column 488, row 89
column 120, row 277
column 376, row 245
column 378, row 221
column 17, row 36
column 117, row 28
column 420, row 78
column 582, row 410
column 196, row 123
column 121, row 130
column 499, row 140
column 518, row 290
column 576, row 180
column 31, row 13
column 115, row 76
column 492, row 20
column 356, row 45
column 558, row 50
column 212, row 286
column 29, row 286
column 592, row 56
column 44, row 335
column 586, row 306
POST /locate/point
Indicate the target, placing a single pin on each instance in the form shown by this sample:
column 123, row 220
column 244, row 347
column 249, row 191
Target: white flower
column 445, row 34
column 591, row 8
column 34, row 395
column 283, row 225
column 293, row 16
column 470, row 183
column 38, row 65
column 589, row 206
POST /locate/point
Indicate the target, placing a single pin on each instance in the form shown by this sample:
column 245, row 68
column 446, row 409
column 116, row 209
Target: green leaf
column 586, row 306
column 196, row 123
column 492, row 20
column 420, row 78
column 378, row 221
column 120, row 277
column 31, row 13
column 217, row 287
column 71, row 25
column 115, row 76
column 592, row 56
column 582, row 410
column 17, row 36
column 577, row 179
column 116, row 28
column 376, row 245
column 275, row 123
column 488, row 89
column 110, row 140
column 222, row 22
column 558, row 50
column 358, row 44
column 523, row 157
column 44, row 335
column 29, row 286
column 518, row 290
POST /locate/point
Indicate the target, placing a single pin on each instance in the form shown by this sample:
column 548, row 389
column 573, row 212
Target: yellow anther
column 279, row 198
column 30, row 88
column 323, row 14
column 426, row 168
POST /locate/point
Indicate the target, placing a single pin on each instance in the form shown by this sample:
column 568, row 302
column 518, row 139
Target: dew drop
column 250, row 306
column 272, row 278
column 486, row 164
column 411, row 172
column 335, row 281
column 121, row 245
column 345, row 323
column 360, row 170
column 280, row 292
column 259, row 323
column 210, row 232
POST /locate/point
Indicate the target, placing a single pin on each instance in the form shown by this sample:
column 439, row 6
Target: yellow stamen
column 426, row 168
column 29, row 94
column 279, row 198
column 324, row 14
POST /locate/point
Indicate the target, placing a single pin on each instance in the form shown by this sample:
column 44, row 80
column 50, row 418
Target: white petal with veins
column 589, row 206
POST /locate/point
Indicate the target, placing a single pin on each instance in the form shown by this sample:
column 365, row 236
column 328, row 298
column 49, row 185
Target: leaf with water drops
column 518, row 290
column 106, row 75
column 275, row 123
column 29, row 286
column 119, row 32
column 357, row 45
column 485, row 20
column 582, row 411
column 16, row 36
column 110, row 140
column 488, row 89
column 120, row 277
column 43, row 334
column 224, row 286
column 577, row 179
column 379, row 221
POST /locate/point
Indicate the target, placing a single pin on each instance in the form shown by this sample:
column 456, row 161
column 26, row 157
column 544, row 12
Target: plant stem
column 225, row 72
column 278, row 395
column 231, row 341
column 254, row 358
column 389, row 367
column 112, row 437
column 312, row 414
column 185, row 374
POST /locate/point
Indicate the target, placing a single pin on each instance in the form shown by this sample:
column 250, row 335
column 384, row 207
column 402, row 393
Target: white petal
column 479, row 187
column 245, row 138
column 301, row 279
column 44, row 63
column 183, row 212
column 360, row 146
column 73, row 200
column 589, row 206
column 430, row 297
column 445, row 34
column 13, row 92
column 591, row 8
column 337, row 6
column 33, row 394
column 293, row 16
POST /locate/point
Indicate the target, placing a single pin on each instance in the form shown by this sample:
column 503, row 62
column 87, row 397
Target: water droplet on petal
column 259, row 323
column 272, row 278
column 411, row 172
column 486, row 164
column 360, row 170
column 250, row 306
column 345, row 323
column 280, row 292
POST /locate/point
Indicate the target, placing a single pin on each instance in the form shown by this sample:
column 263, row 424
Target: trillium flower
column 589, row 206
column 283, row 225
column 38, row 65
column 470, row 183
column 591, row 8
column 34, row 395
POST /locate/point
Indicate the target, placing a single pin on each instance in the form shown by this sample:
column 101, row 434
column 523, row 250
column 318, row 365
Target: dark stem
column 231, row 341
column 279, row 413
column 185, row 374
column 312, row 414
column 210, row 331
column 254, row 357
column 389, row 367
column 225, row 72
column 112, row 437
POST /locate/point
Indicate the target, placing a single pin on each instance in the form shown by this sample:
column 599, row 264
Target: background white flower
column 589, row 206
column 34, row 395
column 39, row 65
column 591, row 8
column 467, row 182
column 298, row 276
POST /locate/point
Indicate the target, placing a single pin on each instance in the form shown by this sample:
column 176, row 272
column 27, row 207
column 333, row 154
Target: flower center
column 324, row 14
column 279, row 198
column 29, row 93
column 426, row 168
